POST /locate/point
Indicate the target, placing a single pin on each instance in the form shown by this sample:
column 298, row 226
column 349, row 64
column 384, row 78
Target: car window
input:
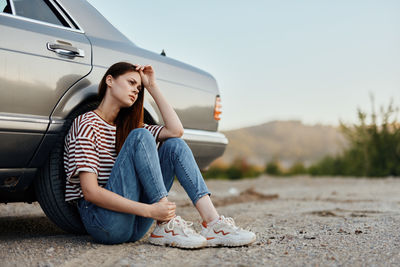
column 40, row 10
column 5, row 6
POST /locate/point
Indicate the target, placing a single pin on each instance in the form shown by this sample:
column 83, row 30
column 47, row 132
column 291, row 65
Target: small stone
column 357, row 232
column 341, row 231
column 289, row 237
column 123, row 262
column 233, row 191
column 45, row 264
column 50, row 250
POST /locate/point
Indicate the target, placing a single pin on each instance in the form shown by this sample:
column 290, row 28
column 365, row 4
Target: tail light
column 217, row 108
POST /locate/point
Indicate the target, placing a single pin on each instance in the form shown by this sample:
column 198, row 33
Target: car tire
column 50, row 183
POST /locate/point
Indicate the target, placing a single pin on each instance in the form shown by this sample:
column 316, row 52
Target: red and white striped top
column 90, row 146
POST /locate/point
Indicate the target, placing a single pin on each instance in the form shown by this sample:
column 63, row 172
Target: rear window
column 5, row 6
column 39, row 10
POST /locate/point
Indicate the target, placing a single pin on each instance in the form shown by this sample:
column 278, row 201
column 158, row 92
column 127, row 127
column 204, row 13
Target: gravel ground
column 299, row 221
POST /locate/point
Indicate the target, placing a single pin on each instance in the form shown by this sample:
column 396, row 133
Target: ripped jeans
column 143, row 174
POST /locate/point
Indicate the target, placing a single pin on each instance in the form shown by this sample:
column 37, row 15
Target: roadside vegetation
column 373, row 151
column 239, row 168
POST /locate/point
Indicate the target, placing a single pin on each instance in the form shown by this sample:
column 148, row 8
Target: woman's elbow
column 89, row 195
column 179, row 133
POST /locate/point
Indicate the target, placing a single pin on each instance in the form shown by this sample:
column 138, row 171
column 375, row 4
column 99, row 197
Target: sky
column 312, row 60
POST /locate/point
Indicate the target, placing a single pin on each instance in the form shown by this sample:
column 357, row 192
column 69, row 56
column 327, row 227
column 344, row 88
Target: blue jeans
column 143, row 174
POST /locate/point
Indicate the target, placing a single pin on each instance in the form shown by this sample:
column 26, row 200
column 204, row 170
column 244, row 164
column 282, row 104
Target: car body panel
column 30, row 89
column 31, row 92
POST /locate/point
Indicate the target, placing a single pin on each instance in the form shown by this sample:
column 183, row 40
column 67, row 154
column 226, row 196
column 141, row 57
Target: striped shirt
column 90, row 146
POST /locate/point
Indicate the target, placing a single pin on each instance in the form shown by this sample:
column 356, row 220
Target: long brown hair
column 128, row 118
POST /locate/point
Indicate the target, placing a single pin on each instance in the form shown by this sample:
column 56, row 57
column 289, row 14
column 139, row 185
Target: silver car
column 53, row 53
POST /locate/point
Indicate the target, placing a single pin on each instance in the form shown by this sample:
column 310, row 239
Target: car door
column 43, row 52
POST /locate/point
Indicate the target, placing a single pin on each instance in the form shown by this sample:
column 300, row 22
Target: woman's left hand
column 147, row 75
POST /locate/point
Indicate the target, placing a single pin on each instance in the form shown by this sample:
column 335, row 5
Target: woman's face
column 125, row 88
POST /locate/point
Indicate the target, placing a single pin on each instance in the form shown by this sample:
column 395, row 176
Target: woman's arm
column 172, row 124
column 92, row 192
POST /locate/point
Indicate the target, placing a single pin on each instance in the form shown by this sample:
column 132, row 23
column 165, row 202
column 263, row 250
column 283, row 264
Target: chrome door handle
column 66, row 50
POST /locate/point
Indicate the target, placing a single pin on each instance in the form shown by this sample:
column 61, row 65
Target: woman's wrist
column 152, row 86
column 148, row 211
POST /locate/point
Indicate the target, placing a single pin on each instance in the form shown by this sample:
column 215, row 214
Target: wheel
column 50, row 184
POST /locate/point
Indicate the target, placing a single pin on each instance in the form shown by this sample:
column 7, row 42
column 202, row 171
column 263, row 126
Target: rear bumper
column 206, row 145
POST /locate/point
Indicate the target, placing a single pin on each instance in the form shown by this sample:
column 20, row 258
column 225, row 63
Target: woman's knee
column 140, row 134
column 176, row 143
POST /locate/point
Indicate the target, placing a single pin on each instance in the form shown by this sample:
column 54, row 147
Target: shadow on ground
column 23, row 226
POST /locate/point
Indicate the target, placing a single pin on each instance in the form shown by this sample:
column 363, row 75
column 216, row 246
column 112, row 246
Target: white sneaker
column 177, row 233
column 224, row 232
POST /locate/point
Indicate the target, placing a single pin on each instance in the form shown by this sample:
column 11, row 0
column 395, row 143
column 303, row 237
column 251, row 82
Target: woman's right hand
column 162, row 211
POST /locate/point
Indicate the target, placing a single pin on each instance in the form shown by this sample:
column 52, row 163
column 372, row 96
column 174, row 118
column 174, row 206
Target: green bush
column 234, row 173
column 215, row 172
column 239, row 168
column 297, row 168
column 328, row 166
column 374, row 148
column 273, row 168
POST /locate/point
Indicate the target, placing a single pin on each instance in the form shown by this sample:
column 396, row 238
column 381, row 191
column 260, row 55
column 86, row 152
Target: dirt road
column 298, row 221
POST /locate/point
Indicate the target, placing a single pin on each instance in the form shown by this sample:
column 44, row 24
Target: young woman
column 120, row 176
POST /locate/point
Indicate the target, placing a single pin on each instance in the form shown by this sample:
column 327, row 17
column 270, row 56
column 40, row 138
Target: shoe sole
column 163, row 242
column 230, row 243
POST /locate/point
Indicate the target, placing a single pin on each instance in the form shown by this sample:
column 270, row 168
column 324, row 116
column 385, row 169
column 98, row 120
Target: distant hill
column 286, row 141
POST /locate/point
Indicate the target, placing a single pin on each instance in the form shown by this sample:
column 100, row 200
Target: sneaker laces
column 184, row 225
column 229, row 221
